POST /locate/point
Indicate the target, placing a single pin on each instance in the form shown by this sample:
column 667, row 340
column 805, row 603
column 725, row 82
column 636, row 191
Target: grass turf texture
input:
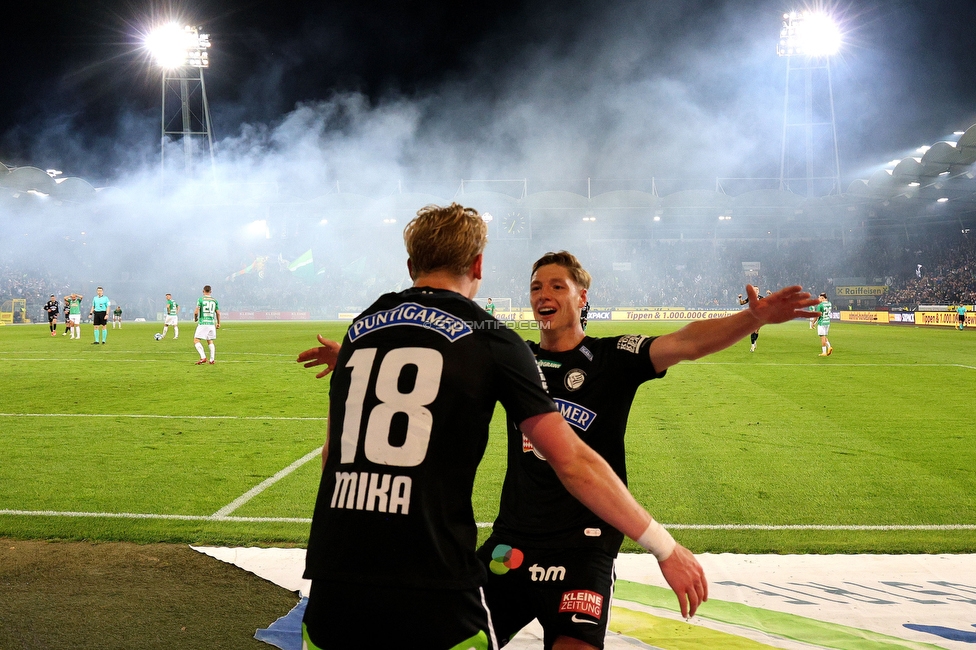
column 868, row 436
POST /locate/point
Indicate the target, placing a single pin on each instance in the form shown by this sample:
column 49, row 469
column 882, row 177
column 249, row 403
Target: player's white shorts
column 206, row 332
column 75, row 319
column 171, row 320
column 822, row 330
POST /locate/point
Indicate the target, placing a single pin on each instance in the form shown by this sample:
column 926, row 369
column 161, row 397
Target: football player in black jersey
column 391, row 551
column 52, row 308
column 67, row 321
column 754, row 337
column 566, row 551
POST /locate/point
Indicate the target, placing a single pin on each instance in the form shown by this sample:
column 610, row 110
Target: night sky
column 78, row 94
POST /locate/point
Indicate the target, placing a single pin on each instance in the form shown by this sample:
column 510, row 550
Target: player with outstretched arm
column 594, row 382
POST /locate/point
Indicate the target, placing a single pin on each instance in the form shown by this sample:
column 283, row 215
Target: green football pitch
column 868, row 450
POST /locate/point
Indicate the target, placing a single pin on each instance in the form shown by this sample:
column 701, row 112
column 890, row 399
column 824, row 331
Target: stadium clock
column 513, row 223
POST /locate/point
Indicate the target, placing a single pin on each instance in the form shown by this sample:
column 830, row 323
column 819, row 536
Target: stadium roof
column 939, row 184
column 31, row 180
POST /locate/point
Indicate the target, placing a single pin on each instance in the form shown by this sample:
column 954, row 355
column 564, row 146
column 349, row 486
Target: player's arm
column 196, row 313
column 589, row 478
column 217, row 317
column 327, row 354
column 704, row 337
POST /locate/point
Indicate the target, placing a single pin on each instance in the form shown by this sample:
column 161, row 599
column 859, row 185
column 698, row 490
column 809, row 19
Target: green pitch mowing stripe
column 773, row 451
column 136, row 515
column 145, row 415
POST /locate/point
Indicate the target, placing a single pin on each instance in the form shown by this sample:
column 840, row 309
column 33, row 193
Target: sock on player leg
column 212, row 350
column 199, row 347
column 176, row 332
column 104, row 334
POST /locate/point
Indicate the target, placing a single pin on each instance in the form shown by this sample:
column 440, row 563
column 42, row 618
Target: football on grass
column 158, row 336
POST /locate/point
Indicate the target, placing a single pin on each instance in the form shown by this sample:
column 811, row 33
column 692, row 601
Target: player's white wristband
column 658, row 541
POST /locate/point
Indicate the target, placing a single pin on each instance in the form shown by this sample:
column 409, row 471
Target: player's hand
column 784, row 305
column 327, row 354
column 686, row 578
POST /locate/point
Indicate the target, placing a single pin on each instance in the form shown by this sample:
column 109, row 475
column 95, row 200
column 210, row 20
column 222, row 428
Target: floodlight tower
column 809, row 163
column 181, row 53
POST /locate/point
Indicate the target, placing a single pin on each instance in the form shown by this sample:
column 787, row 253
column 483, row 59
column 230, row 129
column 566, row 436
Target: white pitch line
column 42, row 356
column 825, row 364
column 102, row 359
column 265, row 484
column 162, row 417
column 488, row 524
column 135, row 515
column 824, row 527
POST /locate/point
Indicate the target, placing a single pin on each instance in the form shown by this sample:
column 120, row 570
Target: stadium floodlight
column 174, row 47
column 181, row 54
column 809, row 132
column 809, row 33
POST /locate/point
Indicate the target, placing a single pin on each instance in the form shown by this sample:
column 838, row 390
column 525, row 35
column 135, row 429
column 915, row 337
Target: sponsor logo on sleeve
column 579, row 416
column 582, row 601
column 574, row 379
column 410, row 313
column 527, row 446
column 630, row 343
column 585, row 351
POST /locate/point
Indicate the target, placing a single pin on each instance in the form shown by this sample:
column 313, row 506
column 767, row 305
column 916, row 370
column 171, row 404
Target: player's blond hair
column 445, row 239
column 569, row 262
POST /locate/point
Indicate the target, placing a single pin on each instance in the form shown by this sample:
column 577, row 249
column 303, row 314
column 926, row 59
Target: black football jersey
column 414, row 389
column 594, row 386
column 52, row 307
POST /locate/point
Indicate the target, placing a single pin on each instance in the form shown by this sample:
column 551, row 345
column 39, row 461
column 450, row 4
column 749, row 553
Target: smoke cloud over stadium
column 552, row 93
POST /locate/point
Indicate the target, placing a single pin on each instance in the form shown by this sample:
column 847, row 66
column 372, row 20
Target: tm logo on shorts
column 505, row 558
column 540, row 574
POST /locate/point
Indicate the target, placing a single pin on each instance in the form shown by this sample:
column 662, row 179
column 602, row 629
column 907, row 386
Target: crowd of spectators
column 945, row 274
column 33, row 286
column 935, row 269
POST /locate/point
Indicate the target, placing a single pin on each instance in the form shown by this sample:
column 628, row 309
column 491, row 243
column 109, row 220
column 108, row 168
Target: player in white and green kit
column 172, row 317
column 74, row 314
column 207, row 317
column 823, row 325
